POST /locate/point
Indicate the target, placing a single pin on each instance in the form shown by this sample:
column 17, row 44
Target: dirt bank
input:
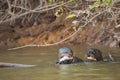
column 50, row 29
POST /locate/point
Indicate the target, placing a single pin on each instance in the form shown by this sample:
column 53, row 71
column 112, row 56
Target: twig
column 38, row 10
column 79, row 29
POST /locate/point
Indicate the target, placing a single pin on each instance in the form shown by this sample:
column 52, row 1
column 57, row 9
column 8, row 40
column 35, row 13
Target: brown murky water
column 45, row 58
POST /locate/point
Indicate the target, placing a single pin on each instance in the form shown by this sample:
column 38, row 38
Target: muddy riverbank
column 47, row 28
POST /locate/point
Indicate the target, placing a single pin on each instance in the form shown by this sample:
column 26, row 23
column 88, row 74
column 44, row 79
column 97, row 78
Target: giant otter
column 96, row 55
column 66, row 56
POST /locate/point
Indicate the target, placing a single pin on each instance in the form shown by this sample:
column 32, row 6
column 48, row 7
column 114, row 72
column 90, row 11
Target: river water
column 46, row 69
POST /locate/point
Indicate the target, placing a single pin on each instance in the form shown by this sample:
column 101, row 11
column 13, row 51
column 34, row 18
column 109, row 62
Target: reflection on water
column 46, row 69
column 64, row 69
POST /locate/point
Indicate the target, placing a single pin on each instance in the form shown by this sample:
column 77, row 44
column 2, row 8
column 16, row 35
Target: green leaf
column 107, row 2
column 50, row 1
column 70, row 16
column 95, row 4
column 91, row 6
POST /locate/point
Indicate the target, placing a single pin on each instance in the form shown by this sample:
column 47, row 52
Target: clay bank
column 99, row 25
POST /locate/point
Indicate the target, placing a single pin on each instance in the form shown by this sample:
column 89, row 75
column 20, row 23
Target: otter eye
column 61, row 56
column 70, row 56
column 88, row 55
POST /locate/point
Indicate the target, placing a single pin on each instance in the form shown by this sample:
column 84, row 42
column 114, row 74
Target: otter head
column 65, row 55
column 94, row 55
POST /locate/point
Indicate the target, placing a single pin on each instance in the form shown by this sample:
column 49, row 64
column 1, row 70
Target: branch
column 36, row 10
column 72, row 35
column 2, row 64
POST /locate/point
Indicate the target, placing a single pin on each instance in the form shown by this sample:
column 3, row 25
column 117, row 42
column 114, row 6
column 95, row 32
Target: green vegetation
column 98, row 3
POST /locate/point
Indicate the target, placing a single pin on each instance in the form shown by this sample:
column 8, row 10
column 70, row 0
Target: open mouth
column 65, row 60
column 91, row 58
